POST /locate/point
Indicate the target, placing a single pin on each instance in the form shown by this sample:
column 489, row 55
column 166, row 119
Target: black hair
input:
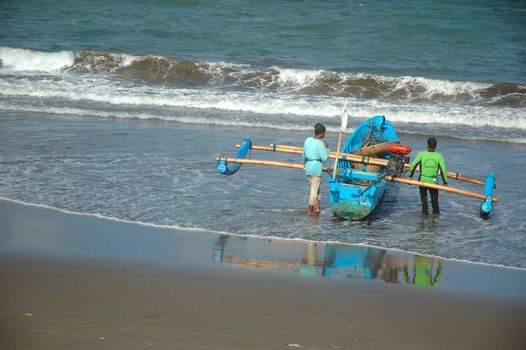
column 432, row 143
column 319, row 128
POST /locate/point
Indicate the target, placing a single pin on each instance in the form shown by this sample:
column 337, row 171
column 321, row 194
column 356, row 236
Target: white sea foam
column 436, row 86
column 107, row 92
column 298, row 77
column 29, row 60
column 150, row 116
column 218, row 121
column 126, row 59
column 104, row 91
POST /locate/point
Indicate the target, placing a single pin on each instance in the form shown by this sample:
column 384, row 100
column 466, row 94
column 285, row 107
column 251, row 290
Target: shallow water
column 164, row 173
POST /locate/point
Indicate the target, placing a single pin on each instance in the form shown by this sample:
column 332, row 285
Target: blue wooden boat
column 357, row 188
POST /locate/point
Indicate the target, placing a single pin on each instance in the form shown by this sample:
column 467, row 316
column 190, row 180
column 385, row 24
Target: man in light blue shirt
column 315, row 152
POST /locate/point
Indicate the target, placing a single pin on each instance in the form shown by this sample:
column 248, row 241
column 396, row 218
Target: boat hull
column 357, row 189
column 355, row 202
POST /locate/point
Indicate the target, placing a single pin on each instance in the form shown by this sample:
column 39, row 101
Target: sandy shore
column 79, row 282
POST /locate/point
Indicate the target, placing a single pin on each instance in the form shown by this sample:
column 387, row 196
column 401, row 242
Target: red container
column 400, row 149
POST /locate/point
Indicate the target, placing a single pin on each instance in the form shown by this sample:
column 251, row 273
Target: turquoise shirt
column 314, row 154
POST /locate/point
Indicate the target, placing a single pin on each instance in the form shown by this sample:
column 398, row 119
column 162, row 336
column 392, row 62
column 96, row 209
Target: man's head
column 319, row 130
column 432, row 143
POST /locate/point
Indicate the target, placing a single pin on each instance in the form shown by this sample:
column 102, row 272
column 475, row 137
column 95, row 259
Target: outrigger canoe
column 371, row 159
column 357, row 188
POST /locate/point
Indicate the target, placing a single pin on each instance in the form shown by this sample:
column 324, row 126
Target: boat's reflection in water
column 330, row 260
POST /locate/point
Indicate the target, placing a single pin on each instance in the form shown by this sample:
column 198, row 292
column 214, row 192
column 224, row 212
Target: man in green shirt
column 315, row 152
column 430, row 163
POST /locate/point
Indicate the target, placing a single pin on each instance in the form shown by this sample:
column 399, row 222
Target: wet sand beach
column 71, row 281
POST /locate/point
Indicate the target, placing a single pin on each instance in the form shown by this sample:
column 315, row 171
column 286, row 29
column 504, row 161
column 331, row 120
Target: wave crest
column 176, row 72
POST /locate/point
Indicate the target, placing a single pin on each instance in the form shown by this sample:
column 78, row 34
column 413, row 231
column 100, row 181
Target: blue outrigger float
column 371, row 158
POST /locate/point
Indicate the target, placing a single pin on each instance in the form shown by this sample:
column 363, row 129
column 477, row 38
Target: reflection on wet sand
column 328, row 260
column 423, row 275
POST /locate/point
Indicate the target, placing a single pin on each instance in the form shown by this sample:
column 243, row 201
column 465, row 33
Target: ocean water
column 120, row 108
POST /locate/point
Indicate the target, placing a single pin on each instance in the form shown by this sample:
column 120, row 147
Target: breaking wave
column 111, row 85
column 186, row 73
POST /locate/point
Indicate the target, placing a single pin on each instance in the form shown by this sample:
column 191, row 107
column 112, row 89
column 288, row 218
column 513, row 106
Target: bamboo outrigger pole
column 388, row 177
column 264, row 162
column 299, row 150
column 439, row 187
column 357, row 159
